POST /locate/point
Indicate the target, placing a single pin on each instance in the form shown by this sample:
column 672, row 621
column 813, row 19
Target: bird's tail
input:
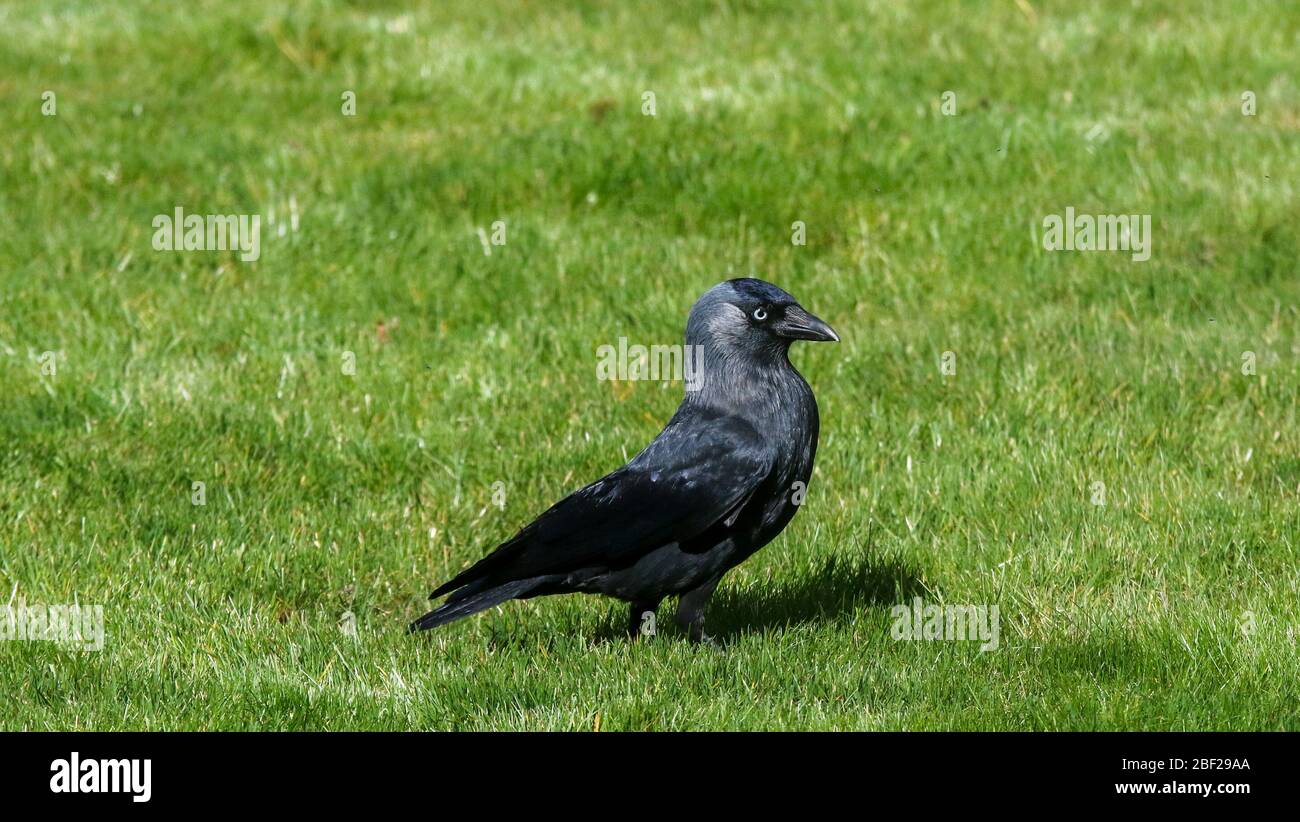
column 457, row 607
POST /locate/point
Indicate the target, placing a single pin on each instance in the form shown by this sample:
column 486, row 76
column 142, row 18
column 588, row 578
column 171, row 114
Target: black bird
column 720, row 481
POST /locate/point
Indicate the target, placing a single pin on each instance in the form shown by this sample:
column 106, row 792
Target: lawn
column 1105, row 449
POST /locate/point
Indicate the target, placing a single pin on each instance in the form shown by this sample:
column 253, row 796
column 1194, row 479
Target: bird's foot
column 698, row 637
column 713, row 644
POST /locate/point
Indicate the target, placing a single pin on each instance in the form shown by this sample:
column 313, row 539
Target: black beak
column 800, row 325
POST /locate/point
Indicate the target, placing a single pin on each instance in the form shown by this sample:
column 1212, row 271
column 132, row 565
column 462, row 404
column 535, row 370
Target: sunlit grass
column 1171, row 605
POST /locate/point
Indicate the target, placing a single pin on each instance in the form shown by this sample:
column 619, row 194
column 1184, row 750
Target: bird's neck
column 759, row 386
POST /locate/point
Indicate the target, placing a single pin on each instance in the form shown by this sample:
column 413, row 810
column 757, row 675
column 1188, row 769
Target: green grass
column 329, row 493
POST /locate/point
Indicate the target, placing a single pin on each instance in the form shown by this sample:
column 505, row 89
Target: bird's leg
column 690, row 612
column 641, row 619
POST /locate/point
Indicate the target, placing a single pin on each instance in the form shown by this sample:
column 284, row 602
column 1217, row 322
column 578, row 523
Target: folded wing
column 698, row 473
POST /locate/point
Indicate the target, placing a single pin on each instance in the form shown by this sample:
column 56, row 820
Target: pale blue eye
column 760, row 314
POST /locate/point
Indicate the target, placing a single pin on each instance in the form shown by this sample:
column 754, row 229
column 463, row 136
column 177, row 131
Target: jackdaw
column 720, row 481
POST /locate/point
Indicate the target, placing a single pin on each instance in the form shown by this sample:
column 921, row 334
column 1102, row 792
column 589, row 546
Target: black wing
column 699, row 471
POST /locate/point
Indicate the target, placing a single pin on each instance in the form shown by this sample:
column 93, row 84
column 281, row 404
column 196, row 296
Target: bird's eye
column 760, row 314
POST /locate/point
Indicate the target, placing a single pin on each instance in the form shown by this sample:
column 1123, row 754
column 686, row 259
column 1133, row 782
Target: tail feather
column 458, row 607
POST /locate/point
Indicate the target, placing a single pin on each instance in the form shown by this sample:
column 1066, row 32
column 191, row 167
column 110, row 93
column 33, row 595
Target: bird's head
column 751, row 316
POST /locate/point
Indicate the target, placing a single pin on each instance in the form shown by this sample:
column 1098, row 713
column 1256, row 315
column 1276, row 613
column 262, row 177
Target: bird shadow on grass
column 833, row 590
column 830, row 591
